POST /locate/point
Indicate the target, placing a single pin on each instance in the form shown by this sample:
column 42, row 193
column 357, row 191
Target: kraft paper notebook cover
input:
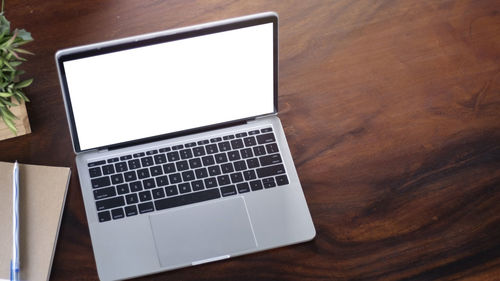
column 42, row 194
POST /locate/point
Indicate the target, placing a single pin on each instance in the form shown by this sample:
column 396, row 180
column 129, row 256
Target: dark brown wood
column 392, row 113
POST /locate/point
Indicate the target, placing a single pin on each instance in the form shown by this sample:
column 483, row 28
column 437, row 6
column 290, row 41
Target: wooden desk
column 392, row 112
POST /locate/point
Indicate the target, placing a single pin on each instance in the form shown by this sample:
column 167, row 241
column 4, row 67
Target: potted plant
column 11, row 86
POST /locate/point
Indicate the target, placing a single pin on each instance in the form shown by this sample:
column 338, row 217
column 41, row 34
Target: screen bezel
column 157, row 38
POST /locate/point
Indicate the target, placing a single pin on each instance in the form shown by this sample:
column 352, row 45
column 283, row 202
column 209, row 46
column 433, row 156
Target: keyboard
column 188, row 173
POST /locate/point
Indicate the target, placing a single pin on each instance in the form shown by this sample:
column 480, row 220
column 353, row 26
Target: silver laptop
column 181, row 156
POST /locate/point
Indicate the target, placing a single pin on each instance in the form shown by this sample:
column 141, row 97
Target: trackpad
column 202, row 232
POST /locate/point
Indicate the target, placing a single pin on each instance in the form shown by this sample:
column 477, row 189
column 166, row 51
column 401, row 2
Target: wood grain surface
column 392, row 113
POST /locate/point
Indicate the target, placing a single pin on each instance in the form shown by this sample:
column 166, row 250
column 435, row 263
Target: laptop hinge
column 262, row 117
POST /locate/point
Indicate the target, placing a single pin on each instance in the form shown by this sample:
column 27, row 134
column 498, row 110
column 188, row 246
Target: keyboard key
column 126, row 157
column 221, row 158
column 246, row 153
column 243, row 187
column 171, row 190
column 143, row 173
column 240, row 135
column 182, row 165
column 210, row 182
column 266, row 138
column 173, row 156
column 165, row 149
column 122, row 189
column 211, row 149
column 253, row 163
column 130, row 176
column 117, row 178
column 228, row 190
column 146, row 207
column 208, row 160
column 256, row 185
column 169, row 168
column 160, row 159
column 259, row 150
column 158, row 193
column 236, row 177
column 140, row 154
column 250, row 141
column 188, row 176
column 282, row 180
column 177, row 147
column 237, row 144
column 240, row 165
column 228, row 137
column 100, row 182
column 271, row 171
column 227, row 168
column 134, row 164
column 152, row 152
column 113, row 160
column 214, row 170
column 272, row 148
column 201, row 173
column 132, row 198
column 131, row 211
column 175, row 178
column 216, row 140
column 144, row 195
column 104, row 216
column 148, row 183
column 186, row 154
column 156, row 171
column 249, row 175
column 265, row 130
column 110, row 169
column 191, row 144
column 203, row 142
column 121, row 167
column 270, row 159
column 195, row 163
column 254, row 132
column 117, row 213
column 199, row 151
column 162, row 181
column 197, row 185
column 233, row 155
column 190, row 198
column 135, row 186
column 110, row 203
column 184, row 187
column 102, row 193
column 224, row 146
column 268, row 182
column 147, row 161
column 223, row 180
column 95, row 172
column 96, row 163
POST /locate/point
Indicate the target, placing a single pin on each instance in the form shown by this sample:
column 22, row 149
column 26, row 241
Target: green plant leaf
column 24, row 84
column 25, row 35
column 6, row 95
column 23, row 51
column 22, row 96
column 8, row 114
column 9, row 123
column 4, row 24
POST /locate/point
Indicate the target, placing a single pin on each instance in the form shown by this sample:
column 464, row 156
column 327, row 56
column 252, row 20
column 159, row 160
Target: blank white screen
column 173, row 86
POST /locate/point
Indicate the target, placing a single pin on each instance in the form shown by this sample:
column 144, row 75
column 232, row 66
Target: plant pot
column 22, row 124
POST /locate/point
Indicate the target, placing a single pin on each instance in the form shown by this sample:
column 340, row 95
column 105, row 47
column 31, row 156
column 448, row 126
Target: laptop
column 181, row 157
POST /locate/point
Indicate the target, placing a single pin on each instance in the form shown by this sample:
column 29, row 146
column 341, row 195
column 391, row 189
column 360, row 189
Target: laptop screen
column 156, row 89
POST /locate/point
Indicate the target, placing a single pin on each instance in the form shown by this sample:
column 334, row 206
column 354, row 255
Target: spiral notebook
column 42, row 196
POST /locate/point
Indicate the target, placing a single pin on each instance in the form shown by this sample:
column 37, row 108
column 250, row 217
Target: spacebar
column 187, row 199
